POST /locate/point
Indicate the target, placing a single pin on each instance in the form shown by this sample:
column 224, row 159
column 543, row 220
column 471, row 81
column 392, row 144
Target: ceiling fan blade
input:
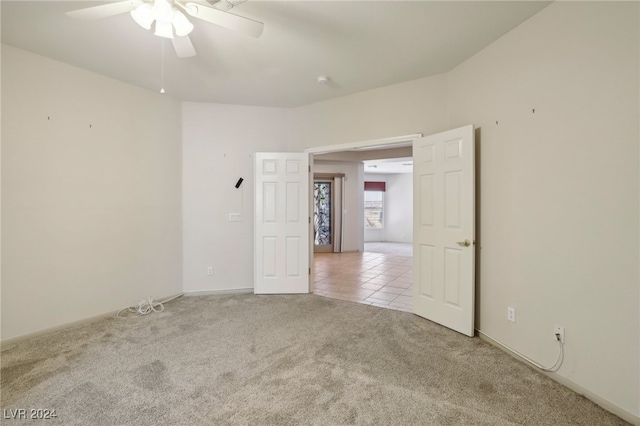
column 225, row 5
column 183, row 46
column 224, row 19
column 105, row 10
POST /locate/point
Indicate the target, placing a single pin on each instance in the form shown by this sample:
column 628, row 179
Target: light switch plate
column 235, row 217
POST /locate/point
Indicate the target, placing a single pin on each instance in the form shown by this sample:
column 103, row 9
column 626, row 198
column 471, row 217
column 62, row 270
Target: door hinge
column 309, row 271
column 309, row 169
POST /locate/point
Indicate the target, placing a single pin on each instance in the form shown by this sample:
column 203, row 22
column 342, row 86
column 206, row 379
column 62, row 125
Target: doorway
column 327, row 210
column 381, row 274
column 443, row 234
column 323, row 214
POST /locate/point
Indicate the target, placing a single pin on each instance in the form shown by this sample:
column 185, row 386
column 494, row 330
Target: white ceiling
column 389, row 166
column 360, row 45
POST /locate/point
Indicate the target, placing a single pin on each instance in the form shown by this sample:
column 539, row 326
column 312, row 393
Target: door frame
column 337, row 207
column 392, row 142
column 329, row 247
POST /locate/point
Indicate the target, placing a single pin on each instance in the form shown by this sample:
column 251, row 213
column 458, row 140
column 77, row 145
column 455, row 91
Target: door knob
column 465, row 243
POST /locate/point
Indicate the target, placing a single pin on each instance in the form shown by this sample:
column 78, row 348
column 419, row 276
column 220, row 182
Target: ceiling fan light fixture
column 181, row 24
column 164, row 29
column 162, row 11
column 143, row 15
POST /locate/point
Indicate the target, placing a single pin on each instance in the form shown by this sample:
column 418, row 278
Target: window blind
column 375, row 186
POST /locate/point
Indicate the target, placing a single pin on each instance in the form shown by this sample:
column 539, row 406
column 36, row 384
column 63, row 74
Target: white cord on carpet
column 556, row 365
column 145, row 307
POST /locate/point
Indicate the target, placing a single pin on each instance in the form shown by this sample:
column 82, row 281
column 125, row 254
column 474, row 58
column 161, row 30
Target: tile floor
column 378, row 279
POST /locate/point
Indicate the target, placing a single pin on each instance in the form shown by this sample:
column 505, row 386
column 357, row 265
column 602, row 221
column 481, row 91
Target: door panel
column 444, row 218
column 281, row 233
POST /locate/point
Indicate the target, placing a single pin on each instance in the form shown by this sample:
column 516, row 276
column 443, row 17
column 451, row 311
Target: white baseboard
column 57, row 327
column 87, row 320
column 597, row 399
column 98, row 317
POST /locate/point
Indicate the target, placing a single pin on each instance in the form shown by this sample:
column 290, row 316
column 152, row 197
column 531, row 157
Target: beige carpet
column 305, row 359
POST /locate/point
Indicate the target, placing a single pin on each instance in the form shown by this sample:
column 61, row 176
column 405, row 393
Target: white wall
column 218, row 146
column 417, row 106
column 399, row 208
column 91, row 175
column 353, row 222
column 559, row 189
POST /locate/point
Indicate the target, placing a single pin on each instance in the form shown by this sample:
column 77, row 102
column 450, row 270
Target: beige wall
column 558, row 195
column 218, row 146
column 558, row 188
column 91, row 175
column 417, row 106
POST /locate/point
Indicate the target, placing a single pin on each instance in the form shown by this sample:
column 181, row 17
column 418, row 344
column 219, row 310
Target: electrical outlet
column 210, row 270
column 558, row 329
column 511, row 314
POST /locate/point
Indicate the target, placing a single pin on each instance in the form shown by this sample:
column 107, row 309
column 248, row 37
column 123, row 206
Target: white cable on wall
column 147, row 306
column 554, row 367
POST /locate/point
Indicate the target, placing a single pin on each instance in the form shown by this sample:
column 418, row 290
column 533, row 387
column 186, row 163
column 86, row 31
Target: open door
column 281, row 228
column 444, row 229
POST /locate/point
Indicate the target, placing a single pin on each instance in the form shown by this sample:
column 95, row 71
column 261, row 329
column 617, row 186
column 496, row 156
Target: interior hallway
column 381, row 279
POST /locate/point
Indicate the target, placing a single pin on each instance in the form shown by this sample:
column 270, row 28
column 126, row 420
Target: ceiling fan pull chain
column 162, row 66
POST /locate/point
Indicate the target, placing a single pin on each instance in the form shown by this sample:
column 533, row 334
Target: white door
column 444, row 228
column 281, row 228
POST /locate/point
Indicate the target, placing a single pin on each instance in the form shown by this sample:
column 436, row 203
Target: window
column 373, row 209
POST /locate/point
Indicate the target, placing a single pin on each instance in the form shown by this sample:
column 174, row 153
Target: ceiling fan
column 171, row 22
